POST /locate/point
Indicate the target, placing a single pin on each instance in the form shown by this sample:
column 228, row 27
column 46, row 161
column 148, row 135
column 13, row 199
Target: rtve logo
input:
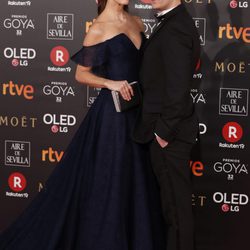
column 27, row 91
column 51, row 155
column 17, row 182
column 231, row 32
column 59, row 56
column 197, row 168
column 232, row 132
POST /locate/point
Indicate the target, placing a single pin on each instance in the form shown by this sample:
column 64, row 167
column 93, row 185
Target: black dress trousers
column 171, row 167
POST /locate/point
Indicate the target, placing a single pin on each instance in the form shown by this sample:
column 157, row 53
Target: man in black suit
column 167, row 121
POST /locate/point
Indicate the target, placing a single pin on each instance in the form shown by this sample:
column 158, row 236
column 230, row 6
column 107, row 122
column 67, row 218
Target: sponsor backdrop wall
column 41, row 106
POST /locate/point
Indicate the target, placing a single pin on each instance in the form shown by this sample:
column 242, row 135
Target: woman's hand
column 122, row 87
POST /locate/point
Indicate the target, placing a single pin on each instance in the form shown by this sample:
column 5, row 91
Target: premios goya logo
column 19, row 23
column 231, row 168
column 13, row 89
column 59, row 90
column 20, row 56
column 197, row 96
column 59, row 122
column 231, row 202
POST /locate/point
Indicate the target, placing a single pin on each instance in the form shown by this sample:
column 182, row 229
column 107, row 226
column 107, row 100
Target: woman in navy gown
column 102, row 195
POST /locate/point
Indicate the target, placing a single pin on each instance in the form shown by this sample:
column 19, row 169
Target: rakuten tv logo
column 232, row 132
column 238, row 33
column 230, row 202
column 59, row 56
column 18, row 3
column 198, row 74
column 17, row 182
column 12, row 89
column 238, row 4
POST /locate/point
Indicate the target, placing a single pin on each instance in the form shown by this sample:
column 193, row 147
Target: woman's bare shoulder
column 95, row 34
column 100, row 31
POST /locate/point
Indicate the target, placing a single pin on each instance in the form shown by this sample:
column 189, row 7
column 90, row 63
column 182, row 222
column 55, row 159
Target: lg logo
column 232, row 132
column 230, row 202
column 59, row 56
column 20, row 56
column 59, row 123
column 240, row 4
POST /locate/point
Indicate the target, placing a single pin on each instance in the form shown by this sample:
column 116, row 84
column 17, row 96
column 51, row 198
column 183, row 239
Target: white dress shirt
column 163, row 12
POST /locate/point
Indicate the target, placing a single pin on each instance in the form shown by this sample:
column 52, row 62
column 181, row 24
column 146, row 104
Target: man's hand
column 161, row 142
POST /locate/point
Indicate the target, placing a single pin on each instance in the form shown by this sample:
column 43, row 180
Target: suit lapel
column 163, row 23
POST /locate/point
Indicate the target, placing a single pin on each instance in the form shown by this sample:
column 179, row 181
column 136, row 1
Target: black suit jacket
column 169, row 60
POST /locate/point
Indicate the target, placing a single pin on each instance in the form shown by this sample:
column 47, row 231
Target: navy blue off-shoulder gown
column 102, row 195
